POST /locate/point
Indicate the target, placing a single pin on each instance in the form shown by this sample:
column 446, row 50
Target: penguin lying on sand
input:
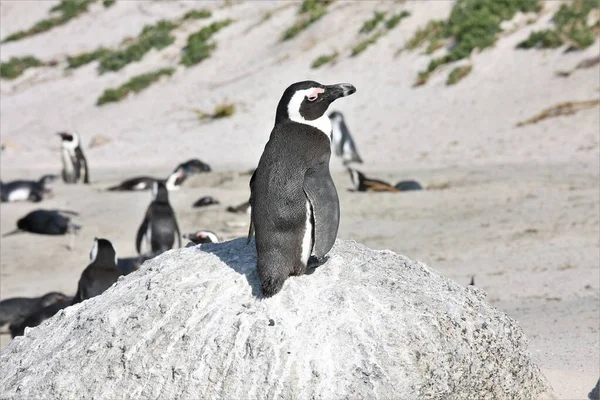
column 200, row 237
column 205, row 201
column 101, row 272
column 295, row 210
column 194, row 166
column 24, row 190
column 159, row 226
column 46, row 222
column 39, row 316
column 342, row 141
column 15, row 309
column 363, row 184
column 75, row 167
column 243, row 208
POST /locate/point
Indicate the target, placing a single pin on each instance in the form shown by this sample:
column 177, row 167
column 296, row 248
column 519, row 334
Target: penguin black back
column 100, row 274
column 46, row 222
column 294, row 203
column 39, row 316
column 15, row 309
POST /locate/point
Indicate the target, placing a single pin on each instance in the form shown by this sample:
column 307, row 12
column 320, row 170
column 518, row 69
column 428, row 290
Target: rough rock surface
column 190, row 324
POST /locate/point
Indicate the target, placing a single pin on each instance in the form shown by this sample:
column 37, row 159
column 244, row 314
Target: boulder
column 191, row 323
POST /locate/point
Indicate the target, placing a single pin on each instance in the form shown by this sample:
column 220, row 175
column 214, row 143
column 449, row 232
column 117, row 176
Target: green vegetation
column 197, row 14
column 571, row 21
column 372, row 23
column 324, row 59
column 458, row 74
column 14, row 67
column 153, row 36
column 473, row 24
column 362, row 46
column 86, row 58
column 433, row 34
column 568, row 108
column 221, row 111
column 135, row 85
column 66, row 9
column 108, row 3
column 395, row 20
column 310, row 11
column 199, row 47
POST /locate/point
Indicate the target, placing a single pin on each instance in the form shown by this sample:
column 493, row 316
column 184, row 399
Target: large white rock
column 189, row 325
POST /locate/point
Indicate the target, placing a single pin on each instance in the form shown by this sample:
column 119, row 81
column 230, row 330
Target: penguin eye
column 312, row 98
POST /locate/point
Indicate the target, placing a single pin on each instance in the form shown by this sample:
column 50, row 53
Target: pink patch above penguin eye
column 312, row 96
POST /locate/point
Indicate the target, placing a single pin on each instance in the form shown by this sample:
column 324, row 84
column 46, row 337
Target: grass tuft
column 458, row 74
column 395, row 19
column 14, row 67
column 199, row 48
column 324, row 59
column 108, row 3
column 86, row 58
column 66, row 9
column 310, row 11
column 135, row 85
column 568, row 108
column 362, row 46
column 221, row 111
column 370, row 24
column 197, row 14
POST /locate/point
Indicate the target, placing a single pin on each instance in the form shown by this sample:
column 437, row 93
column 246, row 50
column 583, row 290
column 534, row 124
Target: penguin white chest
column 307, row 239
column 19, row 194
column 67, row 160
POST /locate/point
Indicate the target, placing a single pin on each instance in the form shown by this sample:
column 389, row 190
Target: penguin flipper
column 322, row 195
column 140, row 234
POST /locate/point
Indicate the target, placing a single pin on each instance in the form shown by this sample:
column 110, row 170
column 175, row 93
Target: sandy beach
column 518, row 208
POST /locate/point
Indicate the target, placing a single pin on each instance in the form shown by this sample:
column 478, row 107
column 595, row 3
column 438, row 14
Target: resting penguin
column 194, row 166
column 243, row 208
column 159, row 226
column 15, row 309
column 363, row 184
column 100, row 274
column 342, row 141
column 22, row 190
column 200, row 237
column 46, row 222
column 75, row 166
column 294, row 204
column 39, row 316
column 173, row 182
column 205, row 201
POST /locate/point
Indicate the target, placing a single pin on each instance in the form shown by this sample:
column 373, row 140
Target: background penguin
column 46, row 222
column 194, row 166
column 159, row 226
column 14, row 310
column 200, row 237
column 173, row 182
column 363, row 184
column 22, row 190
column 342, row 141
column 205, row 201
column 243, row 208
column 294, row 203
column 39, row 316
column 75, row 167
column 100, row 274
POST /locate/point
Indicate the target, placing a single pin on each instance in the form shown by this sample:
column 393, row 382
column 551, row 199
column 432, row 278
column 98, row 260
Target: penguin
column 173, row 182
column 46, row 222
column 342, row 142
column 24, row 190
column 16, row 309
column 75, row 167
column 39, row 316
column 294, row 203
column 101, row 272
column 205, row 201
column 243, row 208
column 159, row 226
column 200, row 237
column 194, row 166
column 363, row 184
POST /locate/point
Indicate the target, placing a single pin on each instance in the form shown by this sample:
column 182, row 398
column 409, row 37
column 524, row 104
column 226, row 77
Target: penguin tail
column 12, row 232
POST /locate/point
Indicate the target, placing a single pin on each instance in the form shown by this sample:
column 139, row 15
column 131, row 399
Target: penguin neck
column 323, row 123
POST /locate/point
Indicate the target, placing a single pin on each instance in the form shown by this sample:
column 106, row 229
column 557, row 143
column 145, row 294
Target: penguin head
column 356, row 176
column 103, row 251
column 336, row 117
column 202, row 237
column 69, row 139
column 160, row 194
column 51, row 298
column 308, row 101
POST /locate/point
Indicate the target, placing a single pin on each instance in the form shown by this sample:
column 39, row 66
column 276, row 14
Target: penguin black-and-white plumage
column 159, row 227
column 15, row 309
column 294, row 203
column 25, row 190
column 194, row 166
column 342, row 141
column 205, row 201
column 200, row 237
column 39, row 316
column 75, row 166
column 173, row 182
column 100, row 274
column 362, row 183
column 46, row 222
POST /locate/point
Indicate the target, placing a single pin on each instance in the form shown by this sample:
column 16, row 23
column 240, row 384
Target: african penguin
column 243, row 208
column 205, row 201
column 159, row 226
column 46, row 222
column 194, row 166
column 294, row 204
column 173, row 182
column 200, row 237
column 342, row 141
column 363, row 184
column 101, row 272
column 39, row 316
column 15, row 309
column 24, row 190
column 75, row 167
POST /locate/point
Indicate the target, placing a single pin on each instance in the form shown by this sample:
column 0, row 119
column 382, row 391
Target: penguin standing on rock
column 159, row 226
column 100, row 274
column 75, row 166
column 294, row 203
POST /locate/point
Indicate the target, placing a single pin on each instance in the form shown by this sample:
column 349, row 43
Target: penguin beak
column 334, row 92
